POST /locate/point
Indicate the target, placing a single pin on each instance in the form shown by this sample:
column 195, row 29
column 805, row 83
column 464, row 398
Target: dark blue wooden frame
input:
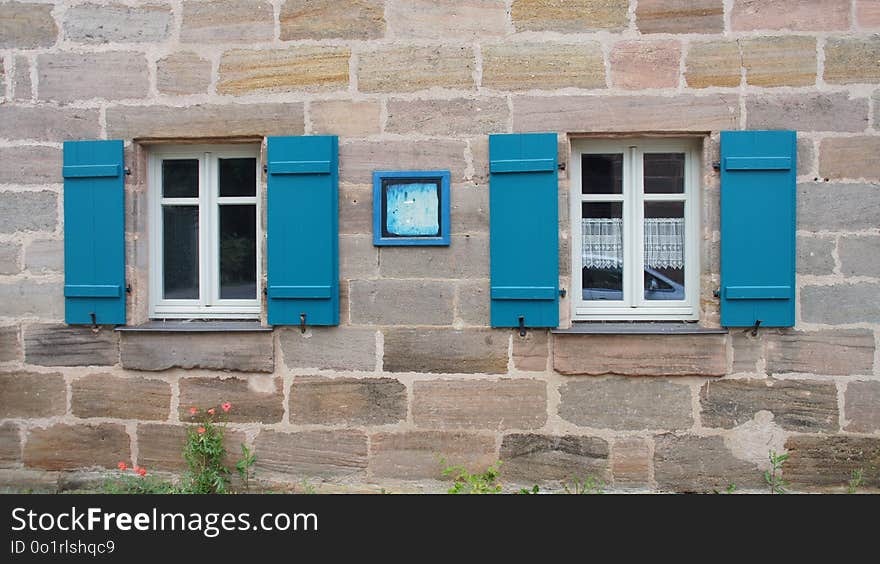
column 442, row 178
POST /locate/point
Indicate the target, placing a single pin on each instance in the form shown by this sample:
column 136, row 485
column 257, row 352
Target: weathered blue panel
column 94, row 232
column 412, row 209
column 524, row 230
column 302, row 231
column 758, row 188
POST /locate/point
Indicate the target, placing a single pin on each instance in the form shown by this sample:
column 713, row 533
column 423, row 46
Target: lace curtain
column 603, row 242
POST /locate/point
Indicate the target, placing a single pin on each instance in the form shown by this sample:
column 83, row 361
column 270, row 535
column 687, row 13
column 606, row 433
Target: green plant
column 244, row 464
column 307, row 488
column 205, row 453
column 526, row 491
column 466, row 483
column 134, row 480
column 589, row 485
column 856, row 480
column 731, row 488
column 773, row 477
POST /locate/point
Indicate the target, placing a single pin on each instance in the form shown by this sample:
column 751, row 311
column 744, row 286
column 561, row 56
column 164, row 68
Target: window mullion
column 630, row 242
column 639, row 224
column 205, row 231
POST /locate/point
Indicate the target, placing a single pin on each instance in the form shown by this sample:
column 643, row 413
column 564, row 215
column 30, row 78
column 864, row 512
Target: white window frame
column 209, row 305
column 634, row 306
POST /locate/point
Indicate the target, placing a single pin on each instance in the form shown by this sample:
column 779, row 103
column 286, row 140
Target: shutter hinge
column 716, row 165
column 128, row 288
column 127, row 171
column 717, row 292
column 561, row 166
column 562, row 293
column 265, row 169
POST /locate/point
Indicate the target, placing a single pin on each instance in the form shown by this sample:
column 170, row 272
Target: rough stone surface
column 183, row 73
column 836, row 353
column 358, row 258
column 637, row 65
column 631, row 462
column 22, row 79
column 65, row 447
column 830, row 461
column 10, row 348
column 469, row 208
column 401, row 302
column 795, row 15
column 28, row 211
column 67, row 77
column 780, row 61
column 93, row 23
column 861, row 401
column 841, row 303
column 255, row 398
column 529, row 458
column 227, row 21
column 10, row 445
column 813, row 112
column 466, row 257
column 347, row 401
column 446, row 19
column 414, row 455
column 641, row 355
column 445, row 351
column 160, row 446
column 309, row 69
column 312, row 453
column 248, row 352
column 542, row 66
column 356, row 215
column 104, row 395
column 28, row 165
column 42, row 123
column 858, row 256
column 473, row 302
column 840, row 207
column 410, row 69
column 29, row 394
column 680, row 16
column 70, row 345
column 713, row 63
column 852, row 60
column 336, row 348
column 868, row 13
column 10, row 261
column 814, row 255
column 27, row 298
column 345, row 118
column 331, row 19
column 625, row 113
column 626, row 404
column 26, row 25
column 205, row 120
column 44, row 255
column 797, row 405
column 850, row 157
column 569, row 16
column 531, row 352
column 687, row 463
column 456, row 117
column 358, row 160
column 479, row 404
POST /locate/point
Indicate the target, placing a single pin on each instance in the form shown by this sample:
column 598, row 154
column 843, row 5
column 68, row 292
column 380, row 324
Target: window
column 635, row 245
column 205, row 232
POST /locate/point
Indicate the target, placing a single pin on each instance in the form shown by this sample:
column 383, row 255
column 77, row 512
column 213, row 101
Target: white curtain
column 603, row 242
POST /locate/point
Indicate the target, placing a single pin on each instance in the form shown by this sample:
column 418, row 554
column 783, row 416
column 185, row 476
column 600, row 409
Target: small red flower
column 226, row 406
column 193, row 411
column 211, row 411
column 122, row 465
column 142, row 471
column 201, row 430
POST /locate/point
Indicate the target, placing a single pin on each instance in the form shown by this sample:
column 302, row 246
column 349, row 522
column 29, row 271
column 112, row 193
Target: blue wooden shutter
column 524, row 230
column 302, row 230
column 94, row 232
column 758, row 187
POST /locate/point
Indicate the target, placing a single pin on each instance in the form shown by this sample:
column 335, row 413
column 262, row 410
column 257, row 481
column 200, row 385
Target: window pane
column 602, row 174
column 664, row 173
column 238, row 177
column 180, row 230
column 180, row 178
column 412, row 209
column 664, row 250
column 602, row 251
column 238, row 252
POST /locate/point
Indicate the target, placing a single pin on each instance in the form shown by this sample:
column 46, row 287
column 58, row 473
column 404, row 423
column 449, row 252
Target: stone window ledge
column 185, row 326
column 639, row 328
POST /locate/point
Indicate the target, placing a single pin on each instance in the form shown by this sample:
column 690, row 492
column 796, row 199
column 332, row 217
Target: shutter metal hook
column 755, row 328
column 302, row 323
column 522, row 326
column 94, row 322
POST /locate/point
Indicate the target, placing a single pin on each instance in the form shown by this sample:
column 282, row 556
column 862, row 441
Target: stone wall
column 413, row 371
